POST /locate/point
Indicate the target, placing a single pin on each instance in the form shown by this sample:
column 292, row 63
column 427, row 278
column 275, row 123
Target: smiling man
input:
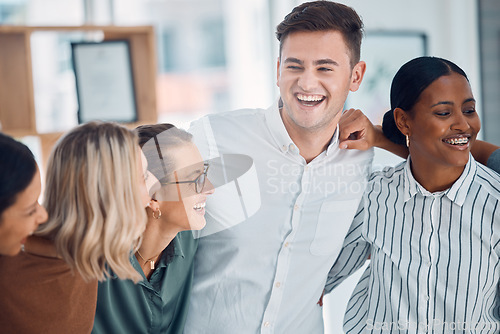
column 315, row 75
column 265, row 272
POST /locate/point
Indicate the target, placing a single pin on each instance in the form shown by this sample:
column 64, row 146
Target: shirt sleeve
column 353, row 255
column 494, row 161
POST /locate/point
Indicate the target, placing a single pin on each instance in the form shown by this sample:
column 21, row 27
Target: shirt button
column 278, row 284
column 292, row 147
column 284, row 147
column 306, row 168
column 267, row 324
column 296, row 207
column 426, row 298
column 287, row 244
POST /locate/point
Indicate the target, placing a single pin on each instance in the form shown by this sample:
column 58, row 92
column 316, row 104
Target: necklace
column 151, row 261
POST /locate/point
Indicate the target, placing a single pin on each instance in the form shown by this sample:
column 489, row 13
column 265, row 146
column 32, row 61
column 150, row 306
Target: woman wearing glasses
column 158, row 303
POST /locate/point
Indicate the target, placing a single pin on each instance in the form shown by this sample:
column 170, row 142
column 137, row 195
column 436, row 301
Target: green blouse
column 159, row 305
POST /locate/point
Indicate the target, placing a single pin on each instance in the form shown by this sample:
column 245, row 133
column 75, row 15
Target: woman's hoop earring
column 407, row 141
column 158, row 214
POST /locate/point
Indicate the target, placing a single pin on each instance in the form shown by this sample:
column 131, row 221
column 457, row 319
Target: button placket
column 270, row 313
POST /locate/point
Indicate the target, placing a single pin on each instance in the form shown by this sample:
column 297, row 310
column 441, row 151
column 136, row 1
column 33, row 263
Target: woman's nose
column 42, row 215
column 209, row 188
column 460, row 122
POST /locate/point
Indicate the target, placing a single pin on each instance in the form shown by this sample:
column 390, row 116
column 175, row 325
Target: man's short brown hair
column 324, row 16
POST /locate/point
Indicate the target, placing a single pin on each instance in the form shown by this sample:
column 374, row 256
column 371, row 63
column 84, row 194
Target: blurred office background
column 218, row 55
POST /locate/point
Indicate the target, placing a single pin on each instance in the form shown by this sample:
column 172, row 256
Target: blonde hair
column 93, row 200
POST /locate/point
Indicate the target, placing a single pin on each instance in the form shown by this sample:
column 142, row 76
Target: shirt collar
column 334, row 141
column 277, row 128
column 178, row 251
column 456, row 193
column 410, row 184
column 281, row 136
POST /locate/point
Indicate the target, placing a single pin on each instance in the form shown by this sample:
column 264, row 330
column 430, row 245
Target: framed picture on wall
column 384, row 53
column 104, row 81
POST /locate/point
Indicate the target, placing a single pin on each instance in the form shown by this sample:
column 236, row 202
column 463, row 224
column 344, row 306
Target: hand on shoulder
column 356, row 131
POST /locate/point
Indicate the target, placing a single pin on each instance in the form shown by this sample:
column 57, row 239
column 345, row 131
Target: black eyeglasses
column 199, row 182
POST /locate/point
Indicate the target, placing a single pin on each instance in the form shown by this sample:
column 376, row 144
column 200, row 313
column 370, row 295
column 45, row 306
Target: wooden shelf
column 17, row 107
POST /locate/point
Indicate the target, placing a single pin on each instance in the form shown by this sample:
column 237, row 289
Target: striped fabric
column 434, row 256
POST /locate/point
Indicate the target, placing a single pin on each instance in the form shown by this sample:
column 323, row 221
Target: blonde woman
column 159, row 303
column 95, row 198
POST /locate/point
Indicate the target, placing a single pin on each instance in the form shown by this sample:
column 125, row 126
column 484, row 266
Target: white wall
column 451, row 27
column 248, row 52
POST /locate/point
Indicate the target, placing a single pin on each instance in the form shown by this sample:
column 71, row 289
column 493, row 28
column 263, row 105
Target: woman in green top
column 158, row 303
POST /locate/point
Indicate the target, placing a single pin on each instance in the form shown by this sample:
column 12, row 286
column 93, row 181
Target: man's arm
column 358, row 132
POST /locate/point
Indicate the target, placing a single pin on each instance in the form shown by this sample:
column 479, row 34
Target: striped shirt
column 434, row 256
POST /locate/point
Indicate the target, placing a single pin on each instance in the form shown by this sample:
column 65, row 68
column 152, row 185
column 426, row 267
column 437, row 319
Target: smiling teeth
column 310, row 98
column 457, row 141
column 199, row 206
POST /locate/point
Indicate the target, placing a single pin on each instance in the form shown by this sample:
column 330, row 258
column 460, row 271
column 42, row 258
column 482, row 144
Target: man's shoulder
column 239, row 117
column 356, row 162
column 229, row 132
column 366, row 155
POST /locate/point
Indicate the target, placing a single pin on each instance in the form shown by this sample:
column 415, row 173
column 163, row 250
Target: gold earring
column 407, row 141
column 158, row 214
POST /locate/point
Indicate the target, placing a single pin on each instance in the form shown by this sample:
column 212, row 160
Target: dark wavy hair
column 407, row 86
column 17, row 169
column 324, row 16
